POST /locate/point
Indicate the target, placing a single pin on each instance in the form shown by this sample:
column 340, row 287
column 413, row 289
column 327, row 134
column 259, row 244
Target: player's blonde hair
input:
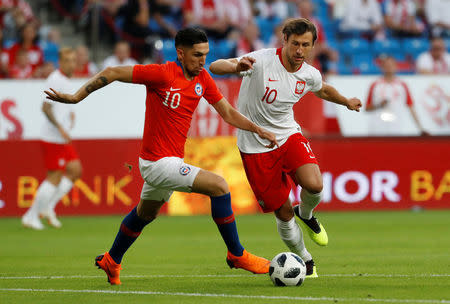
column 299, row 26
column 65, row 51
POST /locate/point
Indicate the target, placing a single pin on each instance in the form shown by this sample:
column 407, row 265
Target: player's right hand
column 245, row 64
column 61, row 97
column 264, row 134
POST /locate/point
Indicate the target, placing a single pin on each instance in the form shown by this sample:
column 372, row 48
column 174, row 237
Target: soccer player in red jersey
column 174, row 90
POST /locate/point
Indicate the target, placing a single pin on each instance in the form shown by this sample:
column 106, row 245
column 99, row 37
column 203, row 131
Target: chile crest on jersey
column 198, row 89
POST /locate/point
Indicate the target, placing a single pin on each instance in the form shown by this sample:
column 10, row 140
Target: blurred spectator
column 436, row 60
column 21, row 69
column 238, row 12
column 249, row 40
column 84, row 67
column 166, row 17
column 209, row 15
column 3, row 58
column 46, row 69
column 322, row 56
column 276, row 41
column 338, row 8
column 387, row 100
column 50, row 44
column 27, row 42
column 437, row 13
column 271, row 9
column 121, row 56
column 136, row 20
column 14, row 14
column 363, row 17
column 400, row 18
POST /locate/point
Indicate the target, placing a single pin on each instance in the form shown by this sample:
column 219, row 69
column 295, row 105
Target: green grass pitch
column 372, row 257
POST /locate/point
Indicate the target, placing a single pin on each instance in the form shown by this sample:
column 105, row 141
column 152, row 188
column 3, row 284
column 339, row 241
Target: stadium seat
column 364, row 64
column 168, row 50
column 265, row 28
column 354, row 46
column 225, row 48
column 50, row 51
column 344, row 68
column 8, row 43
column 447, row 44
column 415, row 46
column 387, row 46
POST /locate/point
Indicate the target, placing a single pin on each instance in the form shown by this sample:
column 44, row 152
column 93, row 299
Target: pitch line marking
column 361, row 275
column 213, row 295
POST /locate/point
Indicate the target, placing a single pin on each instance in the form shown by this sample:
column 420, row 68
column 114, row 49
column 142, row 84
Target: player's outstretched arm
column 105, row 77
column 232, row 65
column 236, row 119
column 329, row 93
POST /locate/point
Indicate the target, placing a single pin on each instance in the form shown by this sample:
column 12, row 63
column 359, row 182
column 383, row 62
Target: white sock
column 309, row 202
column 43, row 195
column 63, row 188
column 292, row 236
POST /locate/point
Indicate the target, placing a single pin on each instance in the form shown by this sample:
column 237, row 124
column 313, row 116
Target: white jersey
column 267, row 96
column 61, row 83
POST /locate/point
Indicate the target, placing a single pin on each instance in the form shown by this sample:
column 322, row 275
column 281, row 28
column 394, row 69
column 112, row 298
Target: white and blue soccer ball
column 287, row 269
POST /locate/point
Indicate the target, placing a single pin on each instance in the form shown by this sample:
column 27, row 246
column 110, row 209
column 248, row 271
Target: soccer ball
column 287, row 269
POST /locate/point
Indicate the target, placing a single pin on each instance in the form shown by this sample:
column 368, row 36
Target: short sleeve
column 422, row 63
column 316, row 84
column 369, row 101
column 154, row 75
column 409, row 100
column 257, row 55
column 212, row 93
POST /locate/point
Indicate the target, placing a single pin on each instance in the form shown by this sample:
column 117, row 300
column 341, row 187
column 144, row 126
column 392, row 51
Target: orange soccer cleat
column 248, row 262
column 112, row 269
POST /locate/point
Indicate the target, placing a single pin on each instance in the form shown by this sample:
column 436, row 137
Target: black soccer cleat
column 311, row 271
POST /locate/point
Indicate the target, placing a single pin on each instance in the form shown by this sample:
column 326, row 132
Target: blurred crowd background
column 354, row 35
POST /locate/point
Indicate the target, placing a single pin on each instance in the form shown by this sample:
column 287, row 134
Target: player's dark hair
column 299, row 26
column 190, row 36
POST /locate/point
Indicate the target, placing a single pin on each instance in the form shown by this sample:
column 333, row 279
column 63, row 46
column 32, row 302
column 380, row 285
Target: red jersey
column 171, row 101
column 17, row 72
column 35, row 55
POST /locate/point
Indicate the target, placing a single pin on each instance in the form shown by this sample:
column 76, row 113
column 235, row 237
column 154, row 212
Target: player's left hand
column 61, row 97
column 354, row 104
column 264, row 134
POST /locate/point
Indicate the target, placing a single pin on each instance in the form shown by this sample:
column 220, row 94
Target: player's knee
column 314, row 187
column 220, row 187
column 74, row 171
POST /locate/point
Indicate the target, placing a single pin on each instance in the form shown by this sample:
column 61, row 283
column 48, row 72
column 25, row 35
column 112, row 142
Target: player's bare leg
column 292, row 236
column 64, row 184
column 45, row 192
column 130, row 229
column 310, row 179
column 217, row 189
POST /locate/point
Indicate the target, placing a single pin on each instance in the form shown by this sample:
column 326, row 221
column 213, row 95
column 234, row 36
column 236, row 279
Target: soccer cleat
column 112, row 269
column 315, row 229
column 311, row 271
column 248, row 262
column 33, row 223
column 52, row 219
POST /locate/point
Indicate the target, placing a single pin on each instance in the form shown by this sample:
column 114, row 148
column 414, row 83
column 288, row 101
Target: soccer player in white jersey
column 61, row 160
column 274, row 80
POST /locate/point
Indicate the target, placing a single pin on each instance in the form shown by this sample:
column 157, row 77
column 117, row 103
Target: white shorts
column 164, row 176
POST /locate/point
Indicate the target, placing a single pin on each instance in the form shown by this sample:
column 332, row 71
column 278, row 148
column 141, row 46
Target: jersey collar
column 281, row 60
